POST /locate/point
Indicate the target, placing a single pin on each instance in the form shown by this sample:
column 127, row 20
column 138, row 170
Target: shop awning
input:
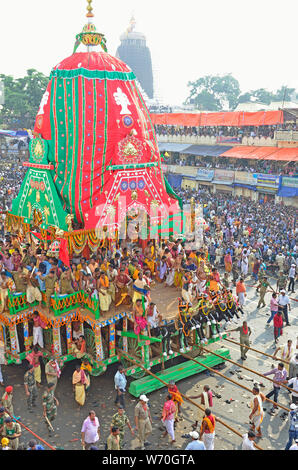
column 263, row 153
column 235, row 119
column 172, row 147
column 207, row 150
column 284, row 155
column 238, row 152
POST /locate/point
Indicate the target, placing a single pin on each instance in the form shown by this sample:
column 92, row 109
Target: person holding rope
column 280, row 377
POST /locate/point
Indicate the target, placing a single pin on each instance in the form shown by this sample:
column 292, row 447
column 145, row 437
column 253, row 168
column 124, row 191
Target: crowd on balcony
column 258, row 166
column 225, row 131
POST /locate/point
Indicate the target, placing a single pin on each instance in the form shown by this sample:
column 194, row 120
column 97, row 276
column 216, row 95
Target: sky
column 255, row 41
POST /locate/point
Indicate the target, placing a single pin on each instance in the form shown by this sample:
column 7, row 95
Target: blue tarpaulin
column 175, row 180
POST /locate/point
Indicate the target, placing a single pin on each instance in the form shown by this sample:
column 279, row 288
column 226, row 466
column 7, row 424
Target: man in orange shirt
column 241, row 292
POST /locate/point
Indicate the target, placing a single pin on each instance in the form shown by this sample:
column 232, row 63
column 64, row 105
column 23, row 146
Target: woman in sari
column 105, row 299
column 149, row 253
column 79, row 382
column 140, row 321
column 178, row 271
column 228, row 262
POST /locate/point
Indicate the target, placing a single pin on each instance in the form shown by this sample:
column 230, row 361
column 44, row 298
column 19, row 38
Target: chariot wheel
column 135, row 350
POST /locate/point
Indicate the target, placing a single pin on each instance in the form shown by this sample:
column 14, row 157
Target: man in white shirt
column 196, row 444
column 248, row 441
column 284, row 302
column 294, row 446
column 292, row 276
column 294, row 382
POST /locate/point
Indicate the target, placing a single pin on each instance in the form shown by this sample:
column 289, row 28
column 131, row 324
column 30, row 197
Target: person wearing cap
column 50, row 284
column 120, row 420
column 284, row 303
column 263, row 286
column 3, row 416
column 90, row 432
column 4, row 444
column 195, row 443
column 292, row 277
column 143, row 421
column 113, row 441
column 30, row 387
column 32, row 445
column 293, row 429
column 248, row 441
column 6, row 400
column 12, row 431
column 65, row 283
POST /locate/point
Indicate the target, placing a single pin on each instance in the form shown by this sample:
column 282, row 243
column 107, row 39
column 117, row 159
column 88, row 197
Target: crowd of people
column 213, row 163
column 243, row 239
column 232, row 132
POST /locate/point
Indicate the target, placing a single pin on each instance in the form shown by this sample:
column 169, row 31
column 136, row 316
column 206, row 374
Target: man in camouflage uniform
column 50, row 282
column 3, row 416
column 12, row 431
column 19, row 280
column 30, row 387
column 120, row 420
column 65, row 282
column 281, row 281
column 49, row 403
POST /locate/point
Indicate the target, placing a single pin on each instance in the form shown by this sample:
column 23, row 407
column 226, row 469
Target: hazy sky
column 255, row 41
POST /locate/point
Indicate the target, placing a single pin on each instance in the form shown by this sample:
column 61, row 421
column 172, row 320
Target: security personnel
column 65, row 283
column 120, row 420
column 50, row 282
column 30, row 387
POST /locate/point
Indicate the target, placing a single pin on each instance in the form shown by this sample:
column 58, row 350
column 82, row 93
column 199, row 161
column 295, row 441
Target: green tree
column 22, row 97
column 283, row 94
column 214, row 93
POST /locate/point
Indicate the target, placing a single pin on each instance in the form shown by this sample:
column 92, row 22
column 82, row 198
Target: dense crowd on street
column 243, row 241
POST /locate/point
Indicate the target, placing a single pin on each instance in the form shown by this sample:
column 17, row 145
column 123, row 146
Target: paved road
column 101, row 395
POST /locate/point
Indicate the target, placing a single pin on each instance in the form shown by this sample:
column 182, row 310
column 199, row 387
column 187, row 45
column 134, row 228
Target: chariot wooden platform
column 109, row 335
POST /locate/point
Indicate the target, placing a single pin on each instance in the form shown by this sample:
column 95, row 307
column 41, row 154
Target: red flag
column 63, row 252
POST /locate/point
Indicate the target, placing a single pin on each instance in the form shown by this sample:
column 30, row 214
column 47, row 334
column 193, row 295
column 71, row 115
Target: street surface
column 102, row 394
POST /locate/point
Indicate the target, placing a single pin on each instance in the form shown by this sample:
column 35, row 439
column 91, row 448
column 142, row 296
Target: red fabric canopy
column 284, row 155
column 234, row 119
column 263, row 153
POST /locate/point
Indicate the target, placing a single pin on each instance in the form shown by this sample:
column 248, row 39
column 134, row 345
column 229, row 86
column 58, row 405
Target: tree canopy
column 222, row 93
column 22, row 98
